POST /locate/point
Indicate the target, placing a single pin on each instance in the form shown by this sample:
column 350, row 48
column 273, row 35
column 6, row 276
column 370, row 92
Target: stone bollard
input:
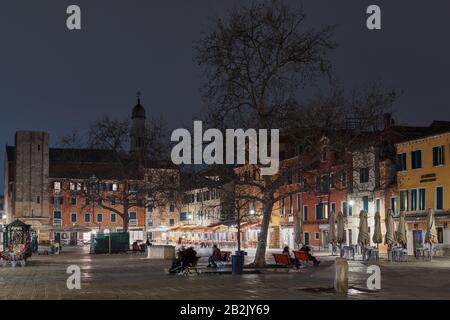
column 341, row 275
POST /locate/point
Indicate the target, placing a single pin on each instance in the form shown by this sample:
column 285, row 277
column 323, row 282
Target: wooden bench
column 302, row 257
column 282, row 259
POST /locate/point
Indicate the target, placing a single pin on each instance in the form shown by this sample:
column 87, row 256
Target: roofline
column 423, row 138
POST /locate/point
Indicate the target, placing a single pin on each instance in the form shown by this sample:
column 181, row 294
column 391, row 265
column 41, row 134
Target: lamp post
column 93, row 192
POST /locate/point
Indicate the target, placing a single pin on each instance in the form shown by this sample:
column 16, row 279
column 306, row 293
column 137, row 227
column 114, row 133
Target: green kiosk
column 16, row 243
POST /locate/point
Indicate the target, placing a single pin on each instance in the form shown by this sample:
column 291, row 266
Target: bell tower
column 137, row 134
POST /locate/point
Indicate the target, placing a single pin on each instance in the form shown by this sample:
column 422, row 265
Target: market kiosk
column 16, row 244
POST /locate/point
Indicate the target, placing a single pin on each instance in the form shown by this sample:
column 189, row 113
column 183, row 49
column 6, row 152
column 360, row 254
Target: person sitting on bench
column 216, row 256
column 176, row 263
column 294, row 261
column 189, row 257
column 307, row 249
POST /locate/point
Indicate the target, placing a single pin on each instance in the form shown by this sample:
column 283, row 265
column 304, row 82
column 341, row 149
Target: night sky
column 54, row 79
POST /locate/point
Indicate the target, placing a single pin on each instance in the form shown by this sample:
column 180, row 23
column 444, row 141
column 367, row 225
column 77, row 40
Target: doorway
column 73, row 239
column 417, row 238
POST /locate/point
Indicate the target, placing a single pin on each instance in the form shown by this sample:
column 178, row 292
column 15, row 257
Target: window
column 422, row 198
column 172, row 208
column 56, row 200
column 416, row 159
column 150, row 208
column 440, row 234
column 378, row 205
column 344, row 179
column 333, row 207
column 365, row 201
column 113, row 217
column 87, row 217
column 319, row 211
column 306, row 235
column 57, row 218
column 333, row 180
column 57, row 186
column 305, row 213
column 115, row 187
column 317, row 235
column 283, row 209
column 172, row 222
column 401, row 162
column 438, row 156
column 291, row 204
column 133, row 218
column 149, row 223
column 113, row 201
column 439, row 198
column 403, row 200
column 414, row 199
column 345, row 208
column 73, row 217
column 72, row 186
column 364, row 175
column 38, row 199
column 394, row 205
column 87, row 201
column 73, row 201
column 299, row 202
column 99, row 217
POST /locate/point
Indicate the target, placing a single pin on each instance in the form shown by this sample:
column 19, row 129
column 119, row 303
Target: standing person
column 216, row 256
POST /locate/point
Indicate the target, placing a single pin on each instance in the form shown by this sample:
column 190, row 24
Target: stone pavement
column 129, row 276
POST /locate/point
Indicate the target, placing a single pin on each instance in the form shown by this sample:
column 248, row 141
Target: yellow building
column 423, row 181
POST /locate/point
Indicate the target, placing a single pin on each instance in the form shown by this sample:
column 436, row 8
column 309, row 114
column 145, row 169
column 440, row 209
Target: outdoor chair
column 348, row 251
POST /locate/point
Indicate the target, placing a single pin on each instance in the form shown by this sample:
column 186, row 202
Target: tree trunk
column 125, row 219
column 260, row 256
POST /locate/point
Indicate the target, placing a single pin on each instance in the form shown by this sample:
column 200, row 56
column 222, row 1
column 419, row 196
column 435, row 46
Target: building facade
column 68, row 194
column 423, row 181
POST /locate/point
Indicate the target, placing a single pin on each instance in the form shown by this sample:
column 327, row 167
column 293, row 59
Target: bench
column 282, row 260
column 302, row 257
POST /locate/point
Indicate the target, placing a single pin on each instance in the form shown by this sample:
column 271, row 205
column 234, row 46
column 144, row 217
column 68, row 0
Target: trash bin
column 237, row 262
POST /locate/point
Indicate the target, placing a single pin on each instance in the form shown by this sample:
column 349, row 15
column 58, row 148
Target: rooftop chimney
column 388, row 121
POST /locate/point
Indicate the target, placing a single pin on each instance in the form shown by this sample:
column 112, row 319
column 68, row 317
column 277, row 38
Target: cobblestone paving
column 127, row 276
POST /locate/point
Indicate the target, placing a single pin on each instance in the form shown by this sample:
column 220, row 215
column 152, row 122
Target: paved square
column 129, row 276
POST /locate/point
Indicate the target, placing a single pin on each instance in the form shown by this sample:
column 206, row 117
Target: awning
column 159, row 229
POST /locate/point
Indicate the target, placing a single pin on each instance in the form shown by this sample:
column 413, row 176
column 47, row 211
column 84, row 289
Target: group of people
column 295, row 261
column 185, row 257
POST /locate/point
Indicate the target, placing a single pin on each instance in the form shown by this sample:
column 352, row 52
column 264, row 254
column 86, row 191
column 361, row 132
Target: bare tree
column 254, row 63
column 125, row 180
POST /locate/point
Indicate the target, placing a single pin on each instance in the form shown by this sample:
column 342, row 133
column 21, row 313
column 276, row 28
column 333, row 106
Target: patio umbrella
column 431, row 235
column 377, row 236
column 332, row 228
column 389, row 238
column 340, row 228
column 401, row 232
column 363, row 236
column 298, row 229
